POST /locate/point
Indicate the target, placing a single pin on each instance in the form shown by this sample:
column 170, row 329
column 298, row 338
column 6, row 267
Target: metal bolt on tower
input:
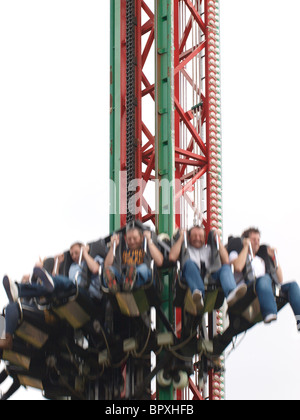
column 166, row 151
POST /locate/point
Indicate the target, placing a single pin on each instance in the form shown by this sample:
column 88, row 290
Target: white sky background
column 54, row 149
column 260, row 109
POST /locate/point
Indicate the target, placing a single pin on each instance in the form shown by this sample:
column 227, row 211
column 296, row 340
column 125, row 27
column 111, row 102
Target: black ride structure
column 80, row 348
column 150, row 343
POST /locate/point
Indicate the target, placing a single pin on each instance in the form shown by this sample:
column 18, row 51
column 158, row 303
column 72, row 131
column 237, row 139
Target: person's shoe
column 198, row 300
column 236, row 295
column 46, row 279
column 11, row 289
column 111, row 281
column 270, row 318
column 129, row 279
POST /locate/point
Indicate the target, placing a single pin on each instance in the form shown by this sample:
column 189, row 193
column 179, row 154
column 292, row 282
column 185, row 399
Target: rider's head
column 75, row 252
column 197, row 237
column 134, row 238
column 254, row 235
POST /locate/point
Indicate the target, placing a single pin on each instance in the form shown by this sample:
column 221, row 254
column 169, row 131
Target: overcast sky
column 54, row 149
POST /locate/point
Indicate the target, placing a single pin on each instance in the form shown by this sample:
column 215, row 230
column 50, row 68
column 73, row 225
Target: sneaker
column 11, row 289
column 270, row 318
column 236, row 295
column 111, row 281
column 130, row 279
column 198, row 300
column 45, row 278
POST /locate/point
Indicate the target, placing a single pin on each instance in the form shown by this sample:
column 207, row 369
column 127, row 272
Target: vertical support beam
column 115, row 113
column 130, row 105
column 139, row 77
column 178, row 216
column 164, row 144
column 213, row 116
column 178, row 221
column 214, row 150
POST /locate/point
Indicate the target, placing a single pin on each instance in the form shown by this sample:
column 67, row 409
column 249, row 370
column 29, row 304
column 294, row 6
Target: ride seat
column 138, row 301
column 214, row 295
column 249, row 307
column 34, row 326
column 246, row 313
column 77, row 307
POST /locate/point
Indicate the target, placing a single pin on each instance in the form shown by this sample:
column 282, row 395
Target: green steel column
column 164, row 146
column 115, row 113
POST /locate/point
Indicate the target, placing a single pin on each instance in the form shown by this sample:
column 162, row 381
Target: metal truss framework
column 177, row 142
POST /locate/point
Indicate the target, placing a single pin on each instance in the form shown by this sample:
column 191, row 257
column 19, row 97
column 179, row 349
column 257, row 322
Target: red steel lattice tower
column 166, row 124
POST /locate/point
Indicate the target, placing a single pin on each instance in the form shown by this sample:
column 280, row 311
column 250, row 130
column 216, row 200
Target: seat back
column 215, row 259
column 236, row 244
column 97, row 248
column 49, row 264
column 269, row 263
column 64, row 267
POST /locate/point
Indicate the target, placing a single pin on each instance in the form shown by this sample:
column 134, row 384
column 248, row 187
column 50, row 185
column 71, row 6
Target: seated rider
column 135, row 260
column 264, row 285
column 196, row 254
column 76, row 269
column 45, row 285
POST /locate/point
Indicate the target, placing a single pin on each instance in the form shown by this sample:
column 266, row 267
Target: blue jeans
column 12, row 317
column 264, row 290
column 61, row 284
column 192, row 275
column 143, row 275
column 292, row 291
